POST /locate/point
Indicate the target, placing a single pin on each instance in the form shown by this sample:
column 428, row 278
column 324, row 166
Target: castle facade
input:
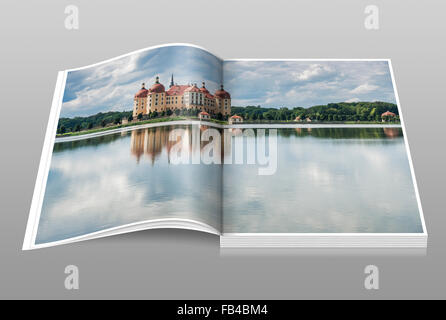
column 180, row 97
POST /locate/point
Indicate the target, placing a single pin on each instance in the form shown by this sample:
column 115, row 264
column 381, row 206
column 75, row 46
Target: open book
column 262, row 153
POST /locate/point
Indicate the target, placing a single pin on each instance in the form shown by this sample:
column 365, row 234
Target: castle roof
column 157, row 87
column 176, row 90
column 192, row 89
column 222, row 94
column 203, row 88
column 142, row 93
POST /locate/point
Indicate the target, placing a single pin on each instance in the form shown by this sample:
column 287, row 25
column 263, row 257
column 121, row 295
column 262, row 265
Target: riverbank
column 132, row 124
column 192, row 121
column 214, row 121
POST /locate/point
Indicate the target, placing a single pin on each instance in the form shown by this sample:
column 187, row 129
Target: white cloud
column 364, row 88
column 118, row 96
column 312, row 71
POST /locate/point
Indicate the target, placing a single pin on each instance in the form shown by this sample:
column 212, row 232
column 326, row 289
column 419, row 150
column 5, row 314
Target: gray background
column 181, row 264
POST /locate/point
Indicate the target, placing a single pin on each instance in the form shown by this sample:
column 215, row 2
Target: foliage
column 98, row 120
column 342, row 111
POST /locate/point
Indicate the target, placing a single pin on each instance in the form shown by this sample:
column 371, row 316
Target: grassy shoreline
column 132, row 124
column 181, row 118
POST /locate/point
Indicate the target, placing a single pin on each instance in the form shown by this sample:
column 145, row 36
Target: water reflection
column 343, row 180
column 104, row 182
column 327, row 180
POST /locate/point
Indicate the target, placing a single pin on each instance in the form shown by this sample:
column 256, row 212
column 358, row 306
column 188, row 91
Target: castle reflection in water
column 152, row 142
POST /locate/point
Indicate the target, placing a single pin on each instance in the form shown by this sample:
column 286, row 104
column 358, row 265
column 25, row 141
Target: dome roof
column 157, row 87
column 203, row 89
column 142, row 93
column 222, row 94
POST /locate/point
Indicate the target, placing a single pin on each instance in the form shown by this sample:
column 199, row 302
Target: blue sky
column 110, row 86
column 307, row 83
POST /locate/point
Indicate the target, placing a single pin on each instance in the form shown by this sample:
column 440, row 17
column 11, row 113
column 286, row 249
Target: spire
column 171, row 81
column 221, row 87
column 157, row 79
column 203, row 84
column 142, row 86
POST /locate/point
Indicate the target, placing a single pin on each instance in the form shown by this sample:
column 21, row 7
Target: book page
column 127, row 148
column 319, row 147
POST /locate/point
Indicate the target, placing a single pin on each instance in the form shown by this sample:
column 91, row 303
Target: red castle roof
column 142, row 93
column 203, row 89
column 222, row 94
column 176, row 90
column 157, row 87
column 192, row 89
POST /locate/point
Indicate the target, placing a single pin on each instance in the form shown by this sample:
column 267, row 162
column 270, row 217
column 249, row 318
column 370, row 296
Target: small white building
column 235, row 119
column 203, row 115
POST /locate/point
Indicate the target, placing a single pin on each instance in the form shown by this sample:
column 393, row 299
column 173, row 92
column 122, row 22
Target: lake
column 327, row 180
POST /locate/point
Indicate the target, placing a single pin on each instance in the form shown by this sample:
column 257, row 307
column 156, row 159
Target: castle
column 179, row 97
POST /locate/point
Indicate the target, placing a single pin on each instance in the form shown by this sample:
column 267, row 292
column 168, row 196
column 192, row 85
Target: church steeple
column 171, row 82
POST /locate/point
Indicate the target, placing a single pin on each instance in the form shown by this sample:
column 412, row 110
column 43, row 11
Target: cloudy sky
column 306, row 83
column 110, row 86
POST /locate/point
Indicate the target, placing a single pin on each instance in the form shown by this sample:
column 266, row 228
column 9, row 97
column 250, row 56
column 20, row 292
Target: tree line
column 100, row 119
column 103, row 119
column 342, row 111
